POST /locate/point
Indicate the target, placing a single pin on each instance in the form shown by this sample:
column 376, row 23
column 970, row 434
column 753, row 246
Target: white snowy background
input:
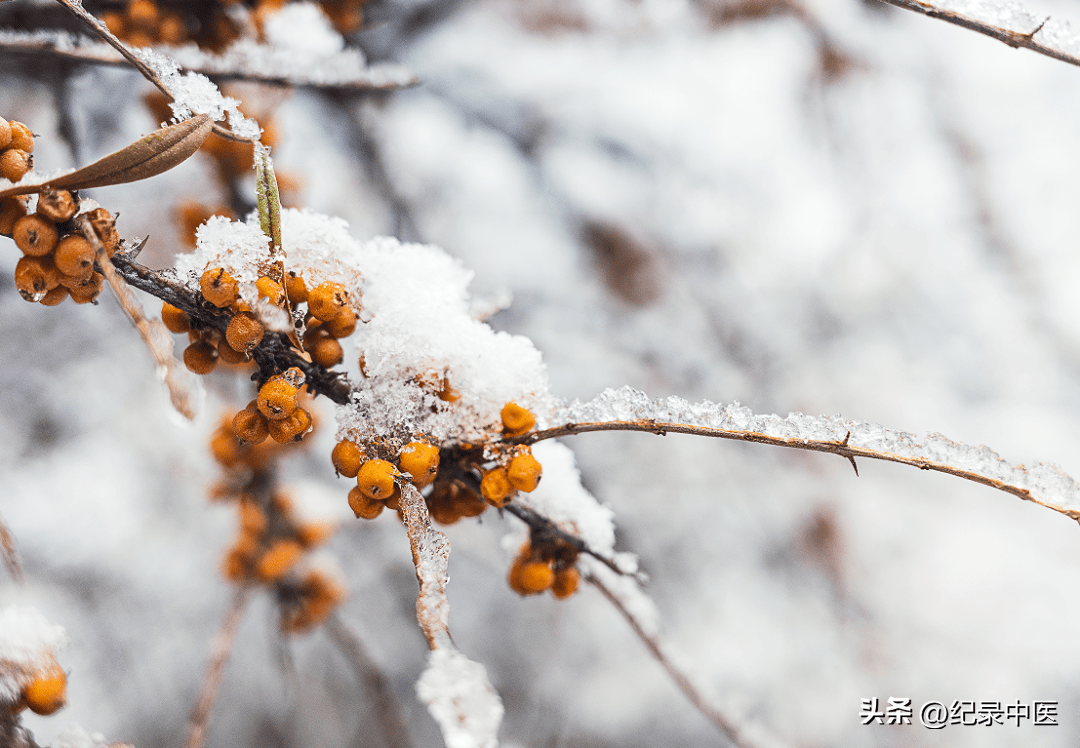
column 892, row 238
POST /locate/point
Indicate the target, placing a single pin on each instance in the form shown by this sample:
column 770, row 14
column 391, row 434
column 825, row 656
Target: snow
column 461, row 699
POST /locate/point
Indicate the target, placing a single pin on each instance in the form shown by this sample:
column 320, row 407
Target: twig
column 223, row 644
column 9, row 552
column 99, row 28
column 539, row 523
column 1013, row 38
column 375, row 681
column 157, row 338
column 837, row 447
column 737, row 733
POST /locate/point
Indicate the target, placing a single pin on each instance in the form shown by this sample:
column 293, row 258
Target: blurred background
column 825, row 206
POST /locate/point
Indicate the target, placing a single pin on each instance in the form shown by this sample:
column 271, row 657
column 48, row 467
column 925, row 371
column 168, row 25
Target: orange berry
column 57, row 205
column 421, row 461
column 496, row 487
column 244, row 332
column 347, row 458
column 271, row 290
column 326, row 352
column 376, row 479
column 251, row 426
column 395, row 498
column 566, row 582
column 342, row 325
column 314, row 533
column 74, row 257
column 277, row 399
column 35, row 236
column 524, row 472
column 46, row 693
column 253, row 520
column 296, row 288
column 278, row 559
column 114, row 22
column 219, row 288
column 291, row 428
column 11, row 210
column 55, row 296
column 363, row 506
column 14, row 164
column 175, row 319
column 200, row 357
column 516, row 420
column 327, row 300
column 536, row 576
column 88, row 290
column 172, row 30
column 467, row 502
column 104, row 226
column 143, row 15
column 224, row 447
column 35, row 277
column 5, row 133
column 21, row 137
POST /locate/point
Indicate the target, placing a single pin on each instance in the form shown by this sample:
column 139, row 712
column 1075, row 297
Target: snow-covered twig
column 637, row 609
column 1053, row 37
column 375, row 681
column 630, row 410
column 9, row 552
column 223, row 644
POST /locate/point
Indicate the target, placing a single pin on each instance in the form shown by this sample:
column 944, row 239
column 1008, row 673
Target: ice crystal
column 461, row 699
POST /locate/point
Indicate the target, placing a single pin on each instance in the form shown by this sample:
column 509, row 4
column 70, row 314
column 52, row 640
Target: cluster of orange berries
column 45, row 693
column 143, row 24
column 545, row 566
column 272, row 540
column 522, row 471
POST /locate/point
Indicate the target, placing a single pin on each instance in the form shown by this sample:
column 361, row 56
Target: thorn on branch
column 852, row 461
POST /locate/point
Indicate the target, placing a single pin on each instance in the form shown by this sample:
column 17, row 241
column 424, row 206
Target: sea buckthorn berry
column 172, row 30
column 87, row 291
column 251, row 426
column 57, row 205
column 228, row 355
column 114, row 22
column 253, row 520
column 47, row 692
column 376, row 479
column 74, row 257
column 566, row 582
column 467, row 502
column 524, row 472
column 516, row 420
column 536, row 576
column 347, row 458
column 11, row 210
column 496, row 487
column 21, row 137
column 277, row 399
column 342, row 325
column 394, row 502
column 14, row 164
column 175, row 319
column 296, row 288
column 5, row 133
column 55, row 296
column 35, row 277
column 244, row 332
column 200, row 357
column 35, row 236
column 275, row 563
column 314, row 533
column 326, row 351
column 421, row 460
column 363, row 506
column 104, row 226
column 219, row 288
column 271, row 290
column 327, row 300
column 291, row 428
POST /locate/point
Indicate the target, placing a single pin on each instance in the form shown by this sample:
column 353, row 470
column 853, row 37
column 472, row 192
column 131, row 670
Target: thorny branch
column 1013, row 38
column 837, row 447
column 99, row 28
column 375, row 681
column 728, row 725
column 223, row 644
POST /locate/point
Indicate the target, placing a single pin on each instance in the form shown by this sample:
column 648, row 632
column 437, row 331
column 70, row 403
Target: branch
column 630, row 410
column 741, row 734
column 223, row 644
column 386, row 706
column 1013, row 38
column 9, row 552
